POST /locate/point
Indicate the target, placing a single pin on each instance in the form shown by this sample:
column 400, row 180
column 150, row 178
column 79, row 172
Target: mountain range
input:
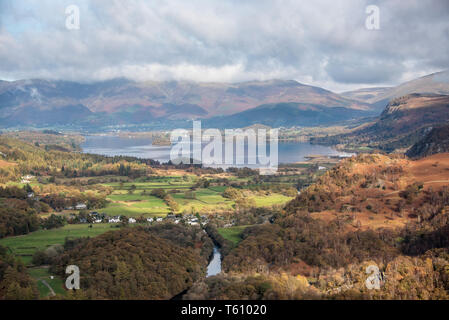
column 122, row 102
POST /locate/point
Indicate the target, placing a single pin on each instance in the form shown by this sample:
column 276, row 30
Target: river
column 214, row 266
column 213, row 269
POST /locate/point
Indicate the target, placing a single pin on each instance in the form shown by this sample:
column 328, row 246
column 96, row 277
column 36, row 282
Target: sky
column 322, row 42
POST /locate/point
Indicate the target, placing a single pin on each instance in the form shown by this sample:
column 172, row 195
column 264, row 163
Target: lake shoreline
column 290, row 152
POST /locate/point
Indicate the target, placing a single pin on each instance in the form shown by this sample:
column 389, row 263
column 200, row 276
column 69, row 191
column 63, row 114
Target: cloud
column 323, row 42
column 359, row 69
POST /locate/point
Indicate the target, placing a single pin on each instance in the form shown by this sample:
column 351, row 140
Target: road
column 52, row 292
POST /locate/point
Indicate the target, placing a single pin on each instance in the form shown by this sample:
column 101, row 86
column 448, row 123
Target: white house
column 114, row 220
column 159, row 219
column 80, row 206
column 132, row 220
column 321, row 168
column 150, row 219
column 98, row 221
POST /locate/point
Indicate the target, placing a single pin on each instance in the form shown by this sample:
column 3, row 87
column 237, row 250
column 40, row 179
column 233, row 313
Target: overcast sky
column 320, row 42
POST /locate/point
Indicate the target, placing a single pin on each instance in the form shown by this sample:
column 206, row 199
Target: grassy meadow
column 232, row 234
column 134, row 199
column 24, row 246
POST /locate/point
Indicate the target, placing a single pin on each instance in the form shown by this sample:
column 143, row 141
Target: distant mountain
column 435, row 83
column 32, row 115
column 288, row 115
column 436, row 141
column 369, row 95
column 121, row 101
column 405, row 121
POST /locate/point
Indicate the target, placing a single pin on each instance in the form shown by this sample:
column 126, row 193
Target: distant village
column 93, row 217
column 97, row 217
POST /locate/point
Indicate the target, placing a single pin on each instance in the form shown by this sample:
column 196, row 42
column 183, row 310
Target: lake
column 109, row 145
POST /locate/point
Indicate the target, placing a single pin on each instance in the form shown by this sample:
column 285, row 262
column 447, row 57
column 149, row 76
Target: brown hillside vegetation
column 4, row 164
column 132, row 263
column 15, row 283
column 375, row 191
column 379, row 210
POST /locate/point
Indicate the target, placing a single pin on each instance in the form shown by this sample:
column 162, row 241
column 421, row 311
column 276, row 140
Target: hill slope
column 435, row 83
column 132, row 264
column 436, row 141
column 287, row 115
column 374, row 209
column 411, row 112
column 405, row 121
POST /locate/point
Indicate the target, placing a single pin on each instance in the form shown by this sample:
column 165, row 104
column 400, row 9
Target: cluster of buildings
column 188, row 219
column 79, row 206
column 95, row 217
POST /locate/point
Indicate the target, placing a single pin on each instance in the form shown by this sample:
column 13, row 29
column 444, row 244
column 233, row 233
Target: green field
column 159, row 183
column 24, row 246
column 270, row 200
column 134, row 204
column 232, row 234
column 141, row 203
column 205, row 199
